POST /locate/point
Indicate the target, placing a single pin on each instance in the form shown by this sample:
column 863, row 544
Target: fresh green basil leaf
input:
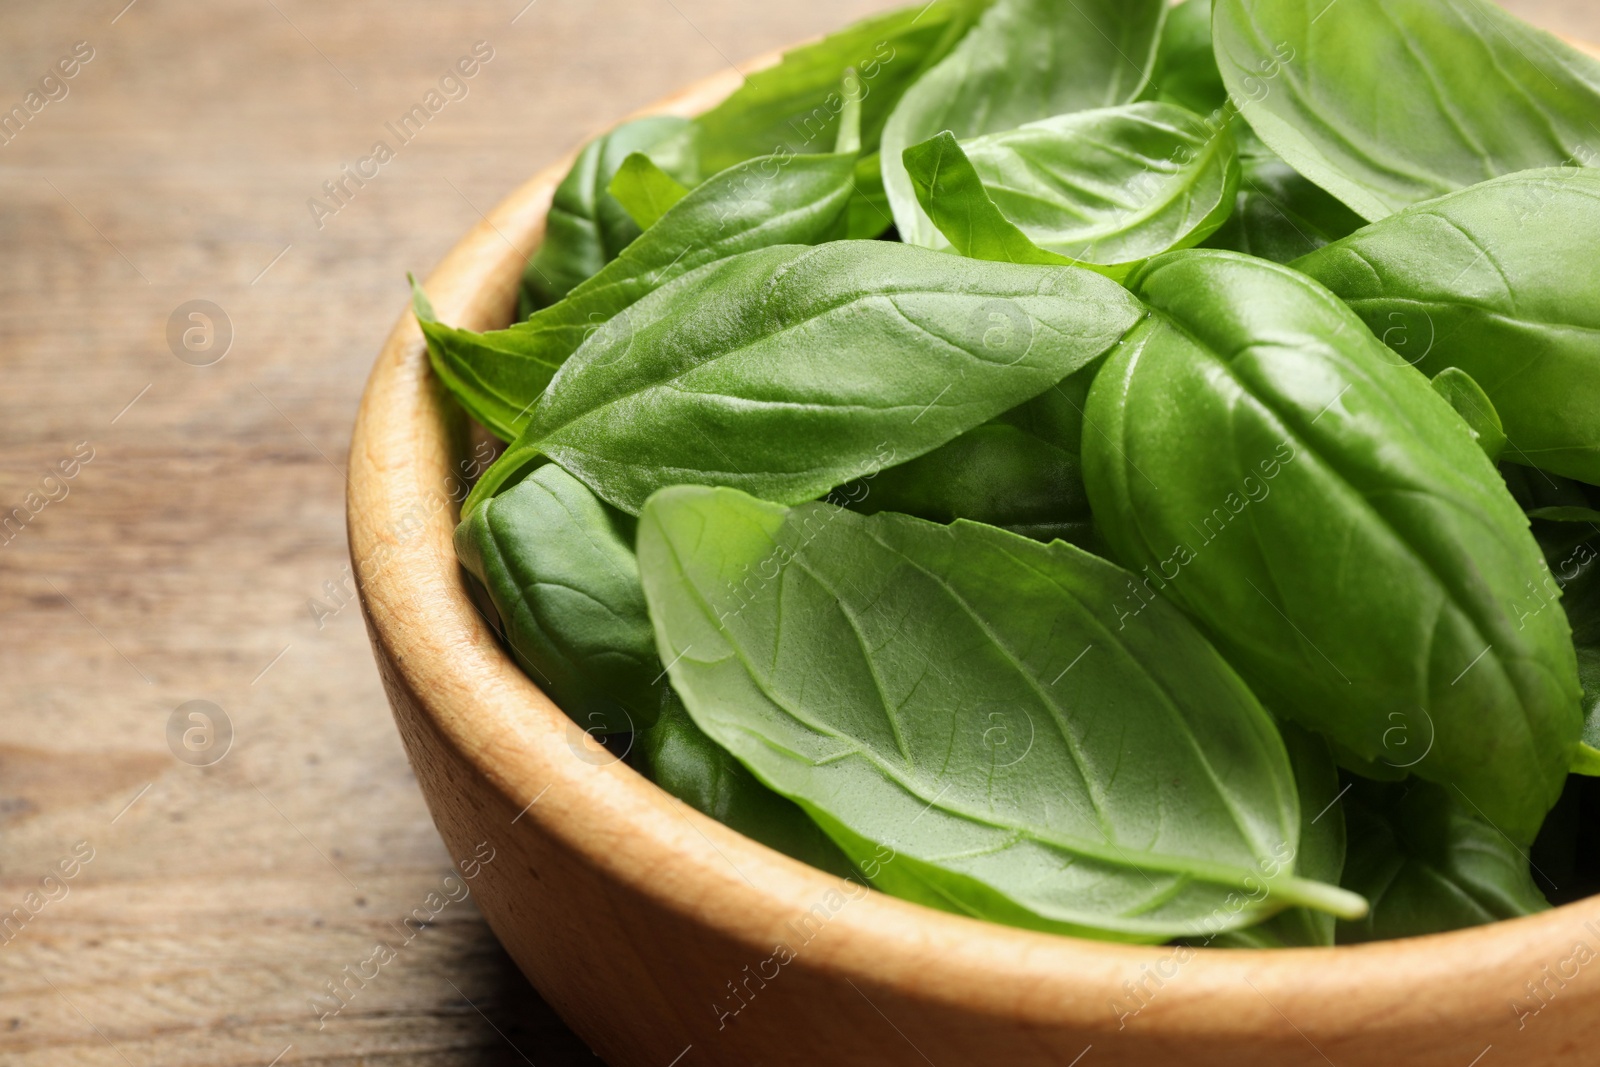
column 1429, row 861
column 1385, row 103
column 788, row 371
column 586, row 227
column 1322, row 847
column 1105, row 189
column 1279, row 215
column 1186, row 71
column 499, row 375
column 644, row 190
column 1496, row 280
column 1025, row 60
column 794, row 106
column 1272, row 467
column 559, row 567
column 960, row 697
column 869, row 208
column 1463, row 393
column 676, row 755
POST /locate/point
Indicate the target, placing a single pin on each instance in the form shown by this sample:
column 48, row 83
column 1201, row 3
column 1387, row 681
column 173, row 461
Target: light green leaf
column 1272, row 467
column 1385, row 103
column 1105, row 189
column 788, row 371
column 1467, row 397
column 1500, row 281
column 644, row 190
column 957, row 704
column 1025, row 60
column 1186, row 66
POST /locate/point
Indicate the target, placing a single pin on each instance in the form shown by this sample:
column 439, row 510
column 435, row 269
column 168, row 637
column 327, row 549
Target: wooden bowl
column 663, row 937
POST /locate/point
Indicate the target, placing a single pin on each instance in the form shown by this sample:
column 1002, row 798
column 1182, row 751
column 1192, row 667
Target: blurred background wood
column 200, row 553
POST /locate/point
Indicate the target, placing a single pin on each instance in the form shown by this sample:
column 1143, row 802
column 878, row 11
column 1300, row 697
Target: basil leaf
column 791, row 370
column 1429, row 862
column 1075, row 55
column 1279, row 215
column 794, row 107
column 1105, row 189
column 676, row 755
column 1272, row 467
column 586, row 227
column 1385, row 103
column 1186, row 66
column 1462, row 392
column 644, row 190
column 1322, row 846
column 499, row 375
column 1493, row 280
column 954, row 695
column 559, row 567
column 1020, row 472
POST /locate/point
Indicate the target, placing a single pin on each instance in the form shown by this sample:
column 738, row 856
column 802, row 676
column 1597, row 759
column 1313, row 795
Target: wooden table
column 197, row 553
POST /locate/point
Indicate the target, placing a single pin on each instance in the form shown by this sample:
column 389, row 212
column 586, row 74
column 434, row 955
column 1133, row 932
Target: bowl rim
column 404, row 456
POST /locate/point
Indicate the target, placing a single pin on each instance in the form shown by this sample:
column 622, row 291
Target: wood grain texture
column 220, row 901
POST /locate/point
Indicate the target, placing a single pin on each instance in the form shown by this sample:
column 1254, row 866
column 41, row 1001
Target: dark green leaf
column 1271, row 466
column 1025, row 60
column 788, row 371
column 586, row 227
column 794, row 107
column 644, row 190
column 1279, row 215
column 960, row 697
column 1500, row 281
column 1385, row 103
column 559, row 566
column 1429, row 861
column 795, row 200
column 1106, row 189
column 1462, row 392
column 1186, row 67
column 677, row 756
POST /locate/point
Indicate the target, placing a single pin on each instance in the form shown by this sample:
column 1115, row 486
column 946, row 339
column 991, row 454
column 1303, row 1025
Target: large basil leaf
column 559, row 567
column 1271, row 466
column 769, row 201
column 1105, row 189
column 1501, row 281
column 1322, row 847
column 794, row 106
column 1020, row 472
column 791, row 370
column 586, row 227
column 961, row 696
column 1429, row 862
column 1385, row 103
column 1186, row 71
column 676, row 755
column 1279, row 215
column 1025, row 60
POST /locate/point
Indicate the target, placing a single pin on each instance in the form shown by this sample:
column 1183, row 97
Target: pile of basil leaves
column 1105, row 469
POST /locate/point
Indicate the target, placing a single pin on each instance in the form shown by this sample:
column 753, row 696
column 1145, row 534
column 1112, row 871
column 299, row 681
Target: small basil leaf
column 1186, row 67
column 794, row 106
column 1075, row 55
column 644, row 190
column 586, row 227
column 1105, row 189
column 676, row 755
column 774, row 200
column 559, row 567
column 1429, row 861
column 1462, row 392
column 1279, row 215
column 1272, row 467
column 1385, row 103
column 1490, row 280
column 791, row 370
column 951, row 694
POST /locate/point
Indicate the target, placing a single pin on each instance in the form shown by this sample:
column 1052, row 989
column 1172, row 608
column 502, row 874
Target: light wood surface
column 219, row 901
